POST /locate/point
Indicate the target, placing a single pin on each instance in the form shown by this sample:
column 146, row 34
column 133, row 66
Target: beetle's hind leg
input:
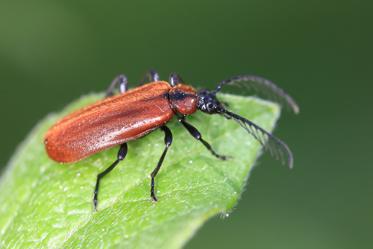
column 121, row 155
column 151, row 76
column 168, row 142
column 120, row 80
column 197, row 135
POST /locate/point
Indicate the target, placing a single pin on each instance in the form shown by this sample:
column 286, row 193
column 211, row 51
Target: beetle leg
column 175, row 79
column 121, row 155
column 168, row 142
column 120, row 80
column 197, row 135
column 151, row 76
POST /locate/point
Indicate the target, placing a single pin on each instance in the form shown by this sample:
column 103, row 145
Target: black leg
column 151, row 76
column 121, row 155
column 175, row 79
column 168, row 142
column 197, row 135
column 120, row 80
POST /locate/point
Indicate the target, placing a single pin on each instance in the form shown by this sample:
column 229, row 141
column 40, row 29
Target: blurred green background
column 319, row 51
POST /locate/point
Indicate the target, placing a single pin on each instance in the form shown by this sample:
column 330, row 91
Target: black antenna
column 261, row 86
column 276, row 147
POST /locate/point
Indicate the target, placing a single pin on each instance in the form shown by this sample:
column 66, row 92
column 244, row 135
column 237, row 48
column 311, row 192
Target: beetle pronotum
column 134, row 113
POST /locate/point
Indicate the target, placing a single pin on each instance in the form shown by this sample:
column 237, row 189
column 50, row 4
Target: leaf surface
column 45, row 204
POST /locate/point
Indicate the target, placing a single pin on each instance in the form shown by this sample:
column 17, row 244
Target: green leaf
column 45, row 204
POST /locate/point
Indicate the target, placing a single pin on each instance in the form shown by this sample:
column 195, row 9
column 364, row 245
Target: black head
column 207, row 102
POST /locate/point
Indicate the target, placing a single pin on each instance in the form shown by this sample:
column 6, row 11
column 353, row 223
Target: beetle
column 134, row 113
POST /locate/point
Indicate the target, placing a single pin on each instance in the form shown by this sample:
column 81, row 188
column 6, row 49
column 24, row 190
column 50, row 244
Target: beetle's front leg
column 197, row 135
column 175, row 79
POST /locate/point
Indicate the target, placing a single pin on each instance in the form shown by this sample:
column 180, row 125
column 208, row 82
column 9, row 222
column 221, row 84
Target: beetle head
column 207, row 102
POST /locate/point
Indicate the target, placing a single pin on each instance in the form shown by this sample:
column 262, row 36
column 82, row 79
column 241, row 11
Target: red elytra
column 116, row 120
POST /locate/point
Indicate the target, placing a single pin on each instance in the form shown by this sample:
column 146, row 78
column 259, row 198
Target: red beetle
column 137, row 112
